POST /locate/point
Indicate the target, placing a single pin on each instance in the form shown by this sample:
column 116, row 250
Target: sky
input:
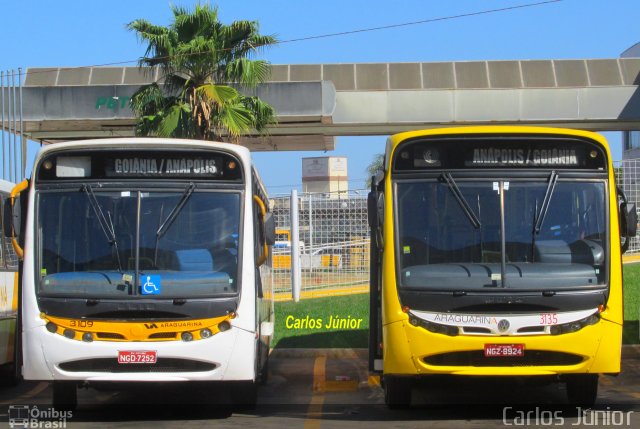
column 68, row 33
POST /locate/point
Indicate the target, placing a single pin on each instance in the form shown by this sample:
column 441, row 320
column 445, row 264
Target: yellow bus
column 496, row 251
column 142, row 262
column 8, row 298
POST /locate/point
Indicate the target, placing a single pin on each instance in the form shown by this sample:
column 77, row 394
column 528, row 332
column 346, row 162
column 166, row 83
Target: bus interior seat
column 194, row 260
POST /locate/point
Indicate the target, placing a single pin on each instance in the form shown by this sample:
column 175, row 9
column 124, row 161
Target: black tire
column 9, row 375
column 263, row 374
column 65, row 395
column 244, row 395
column 582, row 389
column 397, row 392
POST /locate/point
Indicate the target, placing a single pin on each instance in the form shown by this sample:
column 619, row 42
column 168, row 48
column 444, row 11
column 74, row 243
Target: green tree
column 377, row 164
column 203, row 64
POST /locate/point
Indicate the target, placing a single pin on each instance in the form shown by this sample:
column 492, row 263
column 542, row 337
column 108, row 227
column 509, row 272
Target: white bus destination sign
column 165, row 167
column 151, row 164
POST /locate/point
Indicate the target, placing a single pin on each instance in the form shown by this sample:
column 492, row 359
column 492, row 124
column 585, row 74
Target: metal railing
column 333, row 241
column 628, row 179
column 13, row 162
column 334, row 236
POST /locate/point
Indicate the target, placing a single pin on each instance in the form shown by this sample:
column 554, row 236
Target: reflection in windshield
column 196, row 254
column 440, row 248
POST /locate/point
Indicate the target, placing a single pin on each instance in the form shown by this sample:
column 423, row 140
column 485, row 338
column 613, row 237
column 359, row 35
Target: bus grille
column 109, row 336
column 112, row 365
column 477, row 358
column 162, row 336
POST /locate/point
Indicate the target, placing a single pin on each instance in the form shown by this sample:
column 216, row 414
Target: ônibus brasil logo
column 25, row 416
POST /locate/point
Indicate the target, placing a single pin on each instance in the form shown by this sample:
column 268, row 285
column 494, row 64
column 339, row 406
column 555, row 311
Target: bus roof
column 150, row 143
column 396, row 139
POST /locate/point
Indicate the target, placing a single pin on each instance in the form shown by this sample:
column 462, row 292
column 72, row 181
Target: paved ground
column 327, row 389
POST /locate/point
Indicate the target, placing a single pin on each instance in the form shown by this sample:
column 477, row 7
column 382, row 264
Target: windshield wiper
column 466, row 208
column 175, row 211
column 105, row 224
column 173, row 214
column 545, row 203
column 539, row 215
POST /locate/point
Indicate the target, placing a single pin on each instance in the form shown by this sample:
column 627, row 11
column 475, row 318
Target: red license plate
column 503, row 350
column 137, row 356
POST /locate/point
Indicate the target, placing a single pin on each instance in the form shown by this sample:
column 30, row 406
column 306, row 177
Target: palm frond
column 220, row 94
column 169, row 124
column 235, row 119
column 248, row 72
column 198, row 56
column 263, row 113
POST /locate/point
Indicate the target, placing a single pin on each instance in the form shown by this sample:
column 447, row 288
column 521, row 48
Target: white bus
column 142, row 263
column 8, row 298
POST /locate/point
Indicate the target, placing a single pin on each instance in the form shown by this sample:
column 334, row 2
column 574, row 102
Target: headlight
column 567, row 328
column 436, row 328
column 224, row 326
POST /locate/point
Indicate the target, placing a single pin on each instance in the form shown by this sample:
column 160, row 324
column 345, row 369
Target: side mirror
column 631, row 216
column 11, row 218
column 7, row 229
column 372, row 210
column 628, row 220
column 269, row 229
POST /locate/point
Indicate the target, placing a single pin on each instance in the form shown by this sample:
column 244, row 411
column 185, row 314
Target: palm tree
column 199, row 59
column 377, row 164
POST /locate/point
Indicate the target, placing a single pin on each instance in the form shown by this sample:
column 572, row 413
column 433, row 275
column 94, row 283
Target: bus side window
column 3, row 239
column 8, row 256
column 258, row 232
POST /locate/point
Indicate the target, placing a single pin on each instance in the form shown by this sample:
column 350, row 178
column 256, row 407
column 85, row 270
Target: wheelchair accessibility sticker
column 151, row 285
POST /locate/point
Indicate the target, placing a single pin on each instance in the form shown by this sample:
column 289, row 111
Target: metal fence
column 334, row 241
column 12, row 141
column 628, row 179
column 334, row 236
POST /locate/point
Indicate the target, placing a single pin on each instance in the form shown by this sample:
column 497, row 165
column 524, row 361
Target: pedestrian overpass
column 316, row 102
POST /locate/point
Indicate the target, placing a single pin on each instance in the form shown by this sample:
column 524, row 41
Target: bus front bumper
column 412, row 350
column 224, row 356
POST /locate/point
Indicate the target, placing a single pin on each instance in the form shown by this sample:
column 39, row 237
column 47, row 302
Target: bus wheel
column 244, row 395
column 9, row 375
column 65, row 395
column 263, row 374
column 582, row 389
column 397, row 391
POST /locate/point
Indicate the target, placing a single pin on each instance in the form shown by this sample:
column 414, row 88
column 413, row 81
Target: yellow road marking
column 341, row 386
column 320, row 293
column 626, row 259
column 319, row 380
column 374, row 380
column 314, row 412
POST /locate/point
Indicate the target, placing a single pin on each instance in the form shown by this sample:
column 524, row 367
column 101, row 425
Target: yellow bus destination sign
column 472, row 152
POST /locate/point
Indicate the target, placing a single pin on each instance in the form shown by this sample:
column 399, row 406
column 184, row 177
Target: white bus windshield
column 179, row 244
column 440, row 247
